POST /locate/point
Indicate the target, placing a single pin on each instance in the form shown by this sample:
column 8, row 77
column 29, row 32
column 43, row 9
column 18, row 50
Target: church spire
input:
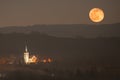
column 26, row 50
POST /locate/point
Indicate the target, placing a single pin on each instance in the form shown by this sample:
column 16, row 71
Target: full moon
column 96, row 15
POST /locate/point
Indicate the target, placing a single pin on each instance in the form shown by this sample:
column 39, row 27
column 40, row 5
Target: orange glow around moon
column 96, row 15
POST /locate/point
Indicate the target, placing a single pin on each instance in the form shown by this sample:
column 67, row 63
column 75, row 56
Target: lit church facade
column 27, row 58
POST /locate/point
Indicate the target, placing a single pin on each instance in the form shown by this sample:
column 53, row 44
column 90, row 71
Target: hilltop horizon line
column 97, row 24
column 69, row 30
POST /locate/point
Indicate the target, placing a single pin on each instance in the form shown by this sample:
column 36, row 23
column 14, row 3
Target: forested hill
column 69, row 49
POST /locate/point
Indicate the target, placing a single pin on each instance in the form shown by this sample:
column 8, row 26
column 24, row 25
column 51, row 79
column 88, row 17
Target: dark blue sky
column 29, row 12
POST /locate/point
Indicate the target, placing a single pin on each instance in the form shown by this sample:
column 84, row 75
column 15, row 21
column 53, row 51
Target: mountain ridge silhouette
column 68, row 30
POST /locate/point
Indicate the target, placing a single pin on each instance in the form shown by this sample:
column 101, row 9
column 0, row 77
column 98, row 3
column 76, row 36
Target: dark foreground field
column 59, row 72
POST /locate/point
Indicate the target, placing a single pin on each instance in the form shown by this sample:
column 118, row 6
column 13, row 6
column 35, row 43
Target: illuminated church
column 27, row 58
column 26, row 55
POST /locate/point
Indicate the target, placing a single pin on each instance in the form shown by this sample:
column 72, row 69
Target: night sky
column 29, row 12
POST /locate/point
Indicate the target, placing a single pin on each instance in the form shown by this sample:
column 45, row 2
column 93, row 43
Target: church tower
column 26, row 56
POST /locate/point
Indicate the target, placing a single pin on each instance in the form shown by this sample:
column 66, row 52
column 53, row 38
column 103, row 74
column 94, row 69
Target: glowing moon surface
column 96, row 15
